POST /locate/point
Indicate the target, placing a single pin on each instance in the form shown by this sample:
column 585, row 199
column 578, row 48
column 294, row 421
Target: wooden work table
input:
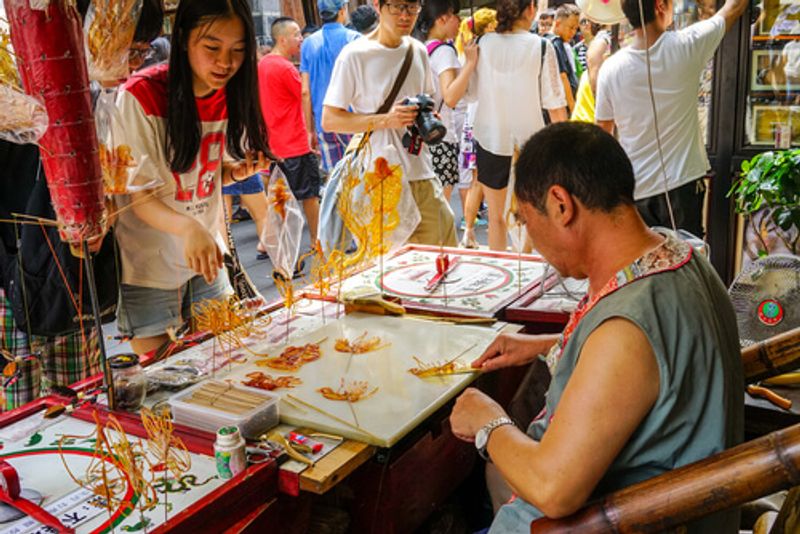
column 386, row 490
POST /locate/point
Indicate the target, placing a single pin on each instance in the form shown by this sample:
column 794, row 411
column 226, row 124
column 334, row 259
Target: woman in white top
column 517, row 77
column 437, row 26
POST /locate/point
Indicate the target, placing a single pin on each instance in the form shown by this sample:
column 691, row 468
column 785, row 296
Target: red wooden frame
column 257, row 485
column 520, row 312
column 187, row 341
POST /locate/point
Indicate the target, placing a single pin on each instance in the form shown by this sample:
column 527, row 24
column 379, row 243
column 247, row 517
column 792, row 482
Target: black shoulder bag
column 36, row 278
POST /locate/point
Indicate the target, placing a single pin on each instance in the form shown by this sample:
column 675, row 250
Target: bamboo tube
column 717, row 483
column 772, row 357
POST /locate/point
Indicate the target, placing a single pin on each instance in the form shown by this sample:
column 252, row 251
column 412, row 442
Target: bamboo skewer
column 226, row 398
column 213, row 395
column 294, row 405
column 222, row 406
column 234, row 392
column 215, row 400
column 335, row 418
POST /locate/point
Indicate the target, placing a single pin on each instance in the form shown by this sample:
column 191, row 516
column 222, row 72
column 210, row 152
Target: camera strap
column 398, row 82
column 360, row 140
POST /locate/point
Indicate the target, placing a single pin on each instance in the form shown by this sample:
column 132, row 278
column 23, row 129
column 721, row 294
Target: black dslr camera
column 427, row 127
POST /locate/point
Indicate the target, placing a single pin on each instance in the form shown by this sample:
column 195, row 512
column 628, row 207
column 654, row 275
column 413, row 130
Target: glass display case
column 772, row 108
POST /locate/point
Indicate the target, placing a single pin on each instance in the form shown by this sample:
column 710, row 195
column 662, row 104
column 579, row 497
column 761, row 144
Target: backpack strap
column 545, row 114
column 434, row 45
column 541, row 65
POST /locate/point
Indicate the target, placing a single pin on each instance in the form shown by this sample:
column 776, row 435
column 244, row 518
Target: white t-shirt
column 362, row 77
column 444, row 58
column 677, row 61
column 150, row 257
column 506, row 86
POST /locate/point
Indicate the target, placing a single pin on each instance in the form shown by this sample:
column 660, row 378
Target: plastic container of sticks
column 212, row 404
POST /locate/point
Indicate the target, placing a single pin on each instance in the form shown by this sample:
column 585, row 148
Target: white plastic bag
column 23, row 119
column 121, row 170
column 109, row 28
column 383, row 213
column 284, row 228
column 517, row 233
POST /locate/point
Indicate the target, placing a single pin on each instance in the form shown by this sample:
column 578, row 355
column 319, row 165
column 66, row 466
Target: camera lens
column 430, row 128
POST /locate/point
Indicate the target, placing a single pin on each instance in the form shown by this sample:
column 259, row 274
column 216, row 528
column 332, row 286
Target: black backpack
column 35, row 285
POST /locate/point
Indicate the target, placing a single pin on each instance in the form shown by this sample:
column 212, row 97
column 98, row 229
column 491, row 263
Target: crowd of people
column 653, row 346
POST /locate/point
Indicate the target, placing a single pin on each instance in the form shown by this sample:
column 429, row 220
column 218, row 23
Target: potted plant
column 768, row 195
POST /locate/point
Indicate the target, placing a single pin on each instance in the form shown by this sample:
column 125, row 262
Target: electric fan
column 766, row 298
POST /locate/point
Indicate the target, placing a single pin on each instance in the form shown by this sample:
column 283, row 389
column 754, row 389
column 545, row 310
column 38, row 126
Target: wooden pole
column 717, row 483
column 772, row 357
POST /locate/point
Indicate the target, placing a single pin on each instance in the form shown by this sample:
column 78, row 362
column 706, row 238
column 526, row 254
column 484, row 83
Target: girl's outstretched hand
column 253, row 163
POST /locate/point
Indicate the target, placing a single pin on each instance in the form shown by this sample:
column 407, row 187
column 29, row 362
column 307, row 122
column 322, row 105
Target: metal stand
column 107, row 379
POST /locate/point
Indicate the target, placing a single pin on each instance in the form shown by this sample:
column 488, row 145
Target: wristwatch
column 482, row 437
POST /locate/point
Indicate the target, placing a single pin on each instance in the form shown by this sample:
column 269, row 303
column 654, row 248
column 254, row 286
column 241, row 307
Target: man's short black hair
column 277, row 27
column 364, row 18
column 631, row 10
column 151, row 21
column 580, row 157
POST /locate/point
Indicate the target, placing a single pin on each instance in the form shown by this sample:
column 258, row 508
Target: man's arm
column 607, row 126
column 568, row 91
column 342, row 121
column 510, row 350
column 558, row 114
column 731, row 11
column 595, row 56
column 613, row 387
column 308, row 110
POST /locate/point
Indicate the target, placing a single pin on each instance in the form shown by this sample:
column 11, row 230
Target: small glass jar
column 130, row 382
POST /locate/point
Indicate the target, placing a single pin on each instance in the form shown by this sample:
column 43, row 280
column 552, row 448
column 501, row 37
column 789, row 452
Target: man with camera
column 363, row 77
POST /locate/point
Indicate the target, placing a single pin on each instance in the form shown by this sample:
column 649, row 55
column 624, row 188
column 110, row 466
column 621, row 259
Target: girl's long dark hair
column 246, row 128
column 508, row 11
column 432, row 10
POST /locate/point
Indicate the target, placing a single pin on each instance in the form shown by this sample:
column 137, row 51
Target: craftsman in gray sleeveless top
column 647, row 375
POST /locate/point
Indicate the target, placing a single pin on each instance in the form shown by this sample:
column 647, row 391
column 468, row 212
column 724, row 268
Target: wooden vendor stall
column 395, row 431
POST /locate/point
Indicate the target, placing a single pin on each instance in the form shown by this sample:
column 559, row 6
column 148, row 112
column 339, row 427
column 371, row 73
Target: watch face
column 480, row 439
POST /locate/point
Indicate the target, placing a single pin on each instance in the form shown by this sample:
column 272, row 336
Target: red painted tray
column 202, row 502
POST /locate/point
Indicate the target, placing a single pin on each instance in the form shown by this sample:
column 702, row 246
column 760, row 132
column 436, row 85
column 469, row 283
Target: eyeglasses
column 396, row 9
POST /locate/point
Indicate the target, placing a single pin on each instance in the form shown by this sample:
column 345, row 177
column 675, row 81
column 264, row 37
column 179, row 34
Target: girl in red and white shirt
column 186, row 123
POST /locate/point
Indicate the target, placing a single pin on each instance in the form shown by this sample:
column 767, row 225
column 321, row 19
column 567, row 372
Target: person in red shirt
column 290, row 131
